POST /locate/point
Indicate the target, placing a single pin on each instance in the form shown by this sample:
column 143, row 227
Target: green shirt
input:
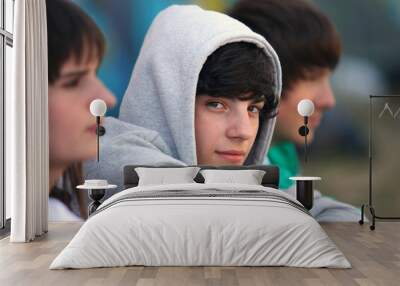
column 284, row 155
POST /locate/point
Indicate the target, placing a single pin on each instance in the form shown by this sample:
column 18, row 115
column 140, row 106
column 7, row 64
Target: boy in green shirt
column 309, row 49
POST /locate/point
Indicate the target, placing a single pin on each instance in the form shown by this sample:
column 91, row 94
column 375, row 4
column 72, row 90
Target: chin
column 218, row 163
column 224, row 163
column 231, row 164
column 90, row 154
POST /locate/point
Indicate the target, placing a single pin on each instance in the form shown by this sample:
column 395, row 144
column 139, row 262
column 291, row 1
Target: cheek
column 254, row 130
column 255, row 126
column 67, row 124
column 208, row 133
column 288, row 114
column 202, row 131
column 288, row 120
column 64, row 117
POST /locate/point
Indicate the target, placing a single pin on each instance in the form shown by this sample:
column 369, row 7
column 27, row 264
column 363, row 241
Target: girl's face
column 317, row 89
column 72, row 128
column 225, row 129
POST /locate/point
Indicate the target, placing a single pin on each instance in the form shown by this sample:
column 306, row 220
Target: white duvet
column 200, row 224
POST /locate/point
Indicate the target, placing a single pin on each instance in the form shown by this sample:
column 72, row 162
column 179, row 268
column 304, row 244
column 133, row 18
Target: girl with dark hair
column 75, row 50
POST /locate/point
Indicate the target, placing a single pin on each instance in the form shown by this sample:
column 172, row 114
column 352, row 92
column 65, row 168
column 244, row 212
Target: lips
column 233, row 156
column 315, row 121
column 92, row 129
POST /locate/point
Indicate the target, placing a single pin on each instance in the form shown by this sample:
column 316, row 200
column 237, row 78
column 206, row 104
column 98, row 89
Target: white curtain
column 27, row 143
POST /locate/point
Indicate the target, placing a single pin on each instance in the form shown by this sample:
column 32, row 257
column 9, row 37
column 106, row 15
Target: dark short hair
column 303, row 37
column 70, row 33
column 239, row 70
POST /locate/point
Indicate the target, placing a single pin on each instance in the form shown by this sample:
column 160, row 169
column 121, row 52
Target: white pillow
column 163, row 176
column 248, row 177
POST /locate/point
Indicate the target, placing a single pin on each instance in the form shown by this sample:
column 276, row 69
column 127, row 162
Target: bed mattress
column 201, row 225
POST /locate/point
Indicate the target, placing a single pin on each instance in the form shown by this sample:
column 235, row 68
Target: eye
column 255, row 109
column 215, row 105
column 72, row 83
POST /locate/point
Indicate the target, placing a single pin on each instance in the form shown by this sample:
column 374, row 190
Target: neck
column 277, row 138
column 55, row 172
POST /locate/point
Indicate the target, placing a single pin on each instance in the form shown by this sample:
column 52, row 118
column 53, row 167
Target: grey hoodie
column 156, row 121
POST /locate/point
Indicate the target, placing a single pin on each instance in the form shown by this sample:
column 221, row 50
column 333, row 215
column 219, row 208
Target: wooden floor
column 374, row 255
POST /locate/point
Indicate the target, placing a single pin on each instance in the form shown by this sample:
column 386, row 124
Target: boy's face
column 72, row 128
column 225, row 129
column 319, row 91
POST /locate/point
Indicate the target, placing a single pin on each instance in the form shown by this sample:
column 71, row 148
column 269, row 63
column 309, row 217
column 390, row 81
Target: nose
column 102, row 92
column 107, row 96
column 326, row 100
column 239, row 125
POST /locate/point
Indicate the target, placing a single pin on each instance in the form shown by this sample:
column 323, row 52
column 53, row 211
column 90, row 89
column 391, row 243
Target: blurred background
column 370, row 32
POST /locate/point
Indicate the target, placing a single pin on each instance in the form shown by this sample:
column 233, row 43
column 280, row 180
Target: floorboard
column 374, row 255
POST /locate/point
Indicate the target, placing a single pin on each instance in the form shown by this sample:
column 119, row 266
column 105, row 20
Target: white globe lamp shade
column 305, row 107
column 98, row 107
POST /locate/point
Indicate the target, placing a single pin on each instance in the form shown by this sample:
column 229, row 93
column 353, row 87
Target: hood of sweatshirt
column 162, row 89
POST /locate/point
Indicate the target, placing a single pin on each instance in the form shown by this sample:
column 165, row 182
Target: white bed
column 201, row 224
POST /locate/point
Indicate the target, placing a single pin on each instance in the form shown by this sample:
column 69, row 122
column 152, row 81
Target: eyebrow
column 256, row 101
column 262, row 99
column 253, row 100
column 74, row 74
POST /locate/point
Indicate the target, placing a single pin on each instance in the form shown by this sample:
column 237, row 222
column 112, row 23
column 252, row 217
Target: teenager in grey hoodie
column 189, row 102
